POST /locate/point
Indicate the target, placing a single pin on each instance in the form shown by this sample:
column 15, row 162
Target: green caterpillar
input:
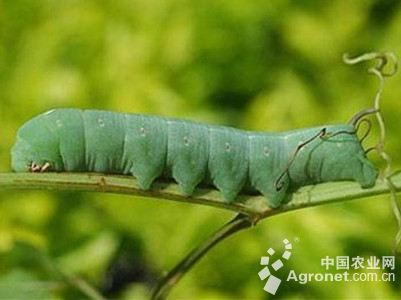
column 148, row 147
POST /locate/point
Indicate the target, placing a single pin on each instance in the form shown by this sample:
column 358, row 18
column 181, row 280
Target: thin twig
column 238, row 223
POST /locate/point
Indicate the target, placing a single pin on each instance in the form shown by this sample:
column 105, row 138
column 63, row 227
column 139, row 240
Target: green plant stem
column 171, row 279
column 254, row 206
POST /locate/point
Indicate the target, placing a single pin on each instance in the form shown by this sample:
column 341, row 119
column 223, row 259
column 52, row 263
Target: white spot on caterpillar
column 266, row 151
column 228, row 147
column 339, row 145
column 142, row 130
column 186, row 141
column 100, row 122
column 59, row 123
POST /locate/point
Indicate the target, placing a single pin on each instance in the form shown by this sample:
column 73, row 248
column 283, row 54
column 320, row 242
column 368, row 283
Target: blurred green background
column 257, row 65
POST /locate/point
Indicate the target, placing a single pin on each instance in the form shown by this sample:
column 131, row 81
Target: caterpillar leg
column 45, row 167
column 34, row 167
column 274, row 196
column 144, row 181
column 229, row 194
column 368, row 173
column 187, row 188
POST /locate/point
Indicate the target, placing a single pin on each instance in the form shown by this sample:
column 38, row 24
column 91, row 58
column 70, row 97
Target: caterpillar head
column 25, row 159
column 35, row 149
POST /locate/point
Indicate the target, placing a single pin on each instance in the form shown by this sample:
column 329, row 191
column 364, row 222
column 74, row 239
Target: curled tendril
column 368, row 123
column 358, row 116
column 383, row 59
